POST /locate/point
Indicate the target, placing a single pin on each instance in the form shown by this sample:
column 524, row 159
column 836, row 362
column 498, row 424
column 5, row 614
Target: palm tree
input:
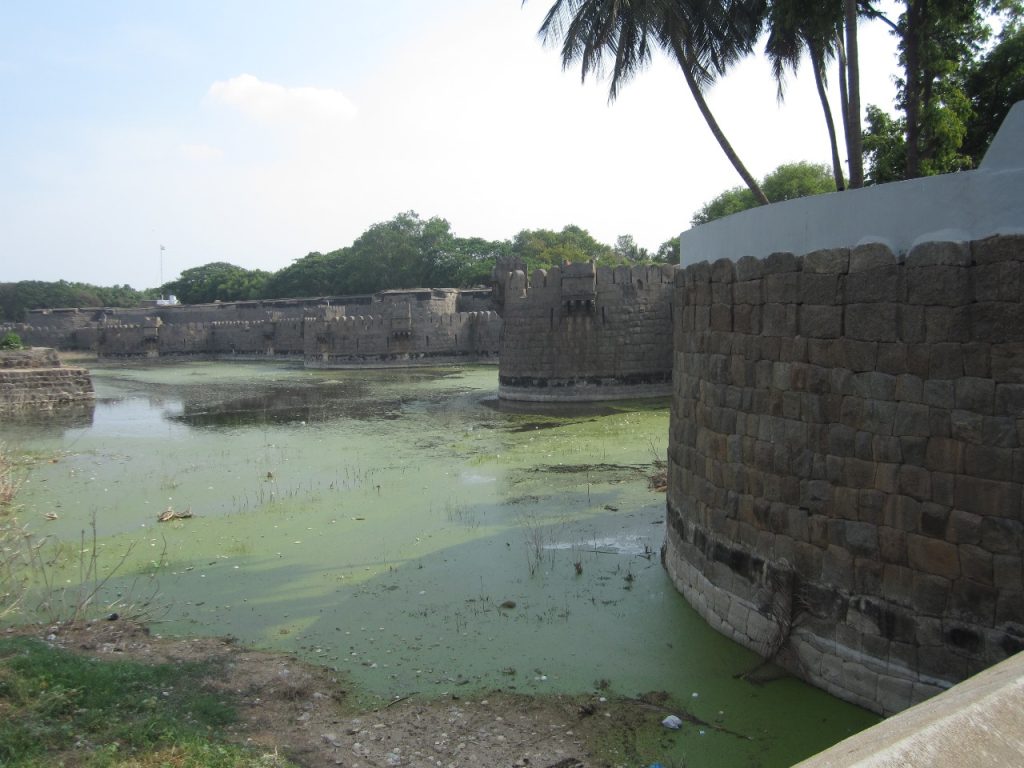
column 703, row 36
column 854, row 139
column 796, row 25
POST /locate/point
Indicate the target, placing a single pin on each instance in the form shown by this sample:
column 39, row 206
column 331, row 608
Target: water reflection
column 52, row 421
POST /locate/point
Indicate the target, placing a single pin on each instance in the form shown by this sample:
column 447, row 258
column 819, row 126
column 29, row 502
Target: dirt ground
column 304, row 713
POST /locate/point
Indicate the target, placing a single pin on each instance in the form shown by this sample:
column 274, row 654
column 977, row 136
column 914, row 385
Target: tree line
column 403, row 252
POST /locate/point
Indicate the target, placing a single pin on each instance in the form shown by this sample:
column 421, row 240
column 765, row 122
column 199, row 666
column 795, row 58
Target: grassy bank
column 59, row 708
column 62, row 709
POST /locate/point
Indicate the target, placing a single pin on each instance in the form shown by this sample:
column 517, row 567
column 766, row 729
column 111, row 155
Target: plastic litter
column 672, row 722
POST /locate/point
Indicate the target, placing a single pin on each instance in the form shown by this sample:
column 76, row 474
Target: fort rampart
column 846, row 455
column 582, row 332
column 405, row 327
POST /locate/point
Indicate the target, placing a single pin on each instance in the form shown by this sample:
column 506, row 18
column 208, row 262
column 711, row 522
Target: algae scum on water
column 404, row 527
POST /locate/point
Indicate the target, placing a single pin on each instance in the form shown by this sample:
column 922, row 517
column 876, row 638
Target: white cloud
column 200, row 152
column 271, row 102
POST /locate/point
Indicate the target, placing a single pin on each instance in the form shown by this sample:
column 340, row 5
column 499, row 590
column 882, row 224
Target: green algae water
column 404, row 527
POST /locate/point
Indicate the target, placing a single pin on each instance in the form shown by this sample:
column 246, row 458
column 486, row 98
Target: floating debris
column 50, row 515
column 169, row 514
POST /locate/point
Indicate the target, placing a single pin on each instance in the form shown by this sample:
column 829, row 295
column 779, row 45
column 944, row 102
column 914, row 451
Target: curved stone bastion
column 584, row 333
column 846, row 461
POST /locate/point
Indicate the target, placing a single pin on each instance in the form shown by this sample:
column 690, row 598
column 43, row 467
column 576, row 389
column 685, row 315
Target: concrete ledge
column 979, row 722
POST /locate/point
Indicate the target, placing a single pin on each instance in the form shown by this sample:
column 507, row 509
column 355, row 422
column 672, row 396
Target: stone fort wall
column 846, row 461
column 392, row 327
column 582, row 332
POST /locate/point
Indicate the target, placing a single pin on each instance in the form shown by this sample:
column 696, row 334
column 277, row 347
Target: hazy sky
column 255, row 132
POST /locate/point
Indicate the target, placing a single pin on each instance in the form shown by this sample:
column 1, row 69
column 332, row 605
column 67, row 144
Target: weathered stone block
column 749, row 268
column 748, row 292
column 911, row 419
column 912, row 324
column 893, row 358
column 821, row 321
column 871, row 256
column 964, row 527
column 781, row 262
column 882, row 284
column 930, row 591
column 782, row 288
column 989, row 462
column 909, row 388
column 721, row 317
column 988, row 497
column 862, row 539
column 1009, row 400
column 914, row 450
column 939, row 286
column 976, row 564
column 723, row 271
column 779, row 320
column 998, row 248
column 974, row 394
column 977, row 359
column 1008, row 574
column 827, row 261
column 939, row 253
column 872, row 322
column 945, row 361
column 1010, row 607
column 1002, row 536
column 933, row 557
column 915, row 482
column 944, row 455
column 856, row 355
column 974, row 602
column 1008, row 363
column 939, row 394
column 892, row 548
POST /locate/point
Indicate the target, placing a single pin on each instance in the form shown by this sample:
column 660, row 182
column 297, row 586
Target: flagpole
column 161, row 271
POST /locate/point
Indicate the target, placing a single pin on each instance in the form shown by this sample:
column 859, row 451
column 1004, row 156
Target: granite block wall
column 34, row 379
column 846, row 461
column 583, row 332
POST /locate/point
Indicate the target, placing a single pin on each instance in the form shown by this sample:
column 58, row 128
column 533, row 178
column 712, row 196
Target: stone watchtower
column 582, row 332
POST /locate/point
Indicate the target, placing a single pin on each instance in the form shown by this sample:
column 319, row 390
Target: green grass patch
column 59, row 708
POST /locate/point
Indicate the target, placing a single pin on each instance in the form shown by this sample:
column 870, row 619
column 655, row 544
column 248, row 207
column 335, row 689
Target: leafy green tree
column 628, row 251
column 704, row 37
column 668, row 251
column 994, row 83
column 788, row 181
column 884, row 146
column 545, row 248
column 940, row 42
column 217, row 281
column 17, row 298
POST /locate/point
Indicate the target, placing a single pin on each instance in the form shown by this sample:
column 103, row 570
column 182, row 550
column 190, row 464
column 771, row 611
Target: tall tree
column 798, row 25
column 939, row 42
column 854, row 147
column 703, row 36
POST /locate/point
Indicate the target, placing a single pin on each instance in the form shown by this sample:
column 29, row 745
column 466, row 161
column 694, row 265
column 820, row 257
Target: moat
column 404, row 528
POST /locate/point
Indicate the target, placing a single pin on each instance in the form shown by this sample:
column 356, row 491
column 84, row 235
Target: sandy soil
column 303, row 712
